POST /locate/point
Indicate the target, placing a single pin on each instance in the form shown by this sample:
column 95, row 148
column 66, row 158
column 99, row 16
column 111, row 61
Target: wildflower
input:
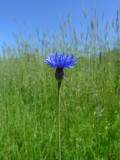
column 60, row 62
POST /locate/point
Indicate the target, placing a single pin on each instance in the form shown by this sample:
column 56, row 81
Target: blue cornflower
column 60, row 62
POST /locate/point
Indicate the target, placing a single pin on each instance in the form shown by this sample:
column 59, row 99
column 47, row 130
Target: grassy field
column 89, row 99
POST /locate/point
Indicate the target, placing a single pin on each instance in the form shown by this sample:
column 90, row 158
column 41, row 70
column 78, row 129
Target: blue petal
column 49, row 63
column 52, row 59
column 60, row 60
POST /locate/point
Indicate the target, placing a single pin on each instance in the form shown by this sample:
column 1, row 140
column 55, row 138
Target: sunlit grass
column 90, row 98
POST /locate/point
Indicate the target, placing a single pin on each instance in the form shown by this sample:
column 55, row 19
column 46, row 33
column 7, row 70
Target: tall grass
column 90, row 97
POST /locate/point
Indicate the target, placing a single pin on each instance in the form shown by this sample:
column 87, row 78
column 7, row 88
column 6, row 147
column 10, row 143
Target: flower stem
column 59, row 141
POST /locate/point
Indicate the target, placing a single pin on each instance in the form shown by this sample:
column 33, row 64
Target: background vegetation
column 90, row 95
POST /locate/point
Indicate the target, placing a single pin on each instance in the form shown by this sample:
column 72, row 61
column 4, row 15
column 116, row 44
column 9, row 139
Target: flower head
column 60, row 62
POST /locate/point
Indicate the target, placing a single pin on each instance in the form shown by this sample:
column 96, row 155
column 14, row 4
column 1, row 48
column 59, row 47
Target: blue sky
column 43, row 14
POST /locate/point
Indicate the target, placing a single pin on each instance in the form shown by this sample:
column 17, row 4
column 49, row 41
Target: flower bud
column 59, row 74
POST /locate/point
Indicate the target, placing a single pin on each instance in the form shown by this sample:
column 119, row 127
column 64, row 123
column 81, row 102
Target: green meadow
column 89, row 97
